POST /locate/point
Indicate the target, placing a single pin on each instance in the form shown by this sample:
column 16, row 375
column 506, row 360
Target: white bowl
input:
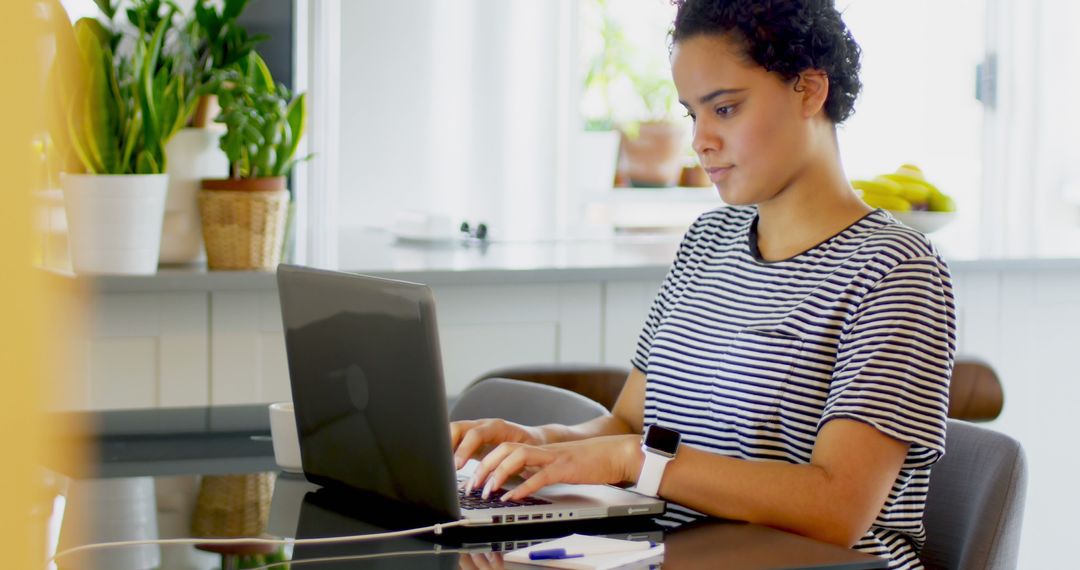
column 924, row 221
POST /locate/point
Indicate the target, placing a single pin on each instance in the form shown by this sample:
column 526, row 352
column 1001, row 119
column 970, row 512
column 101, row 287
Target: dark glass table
column 210, row 472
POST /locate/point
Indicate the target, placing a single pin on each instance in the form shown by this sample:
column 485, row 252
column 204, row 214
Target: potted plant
column 120, row 107
column 635, row 94
column 244, row 216
column 652, row 148
column 598, row 142
column 218, row 42
column 213, row 40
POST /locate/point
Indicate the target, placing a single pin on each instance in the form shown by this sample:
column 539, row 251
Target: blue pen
column 562, row 553
column 552, row 554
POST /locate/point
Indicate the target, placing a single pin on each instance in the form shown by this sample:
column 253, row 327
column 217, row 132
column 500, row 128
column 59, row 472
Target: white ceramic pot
column 193, row 154
column 596, row 160
column 114, row 222
column 108, row 510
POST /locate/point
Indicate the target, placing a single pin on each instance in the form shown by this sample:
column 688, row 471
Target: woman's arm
column 470, row 437
column 627, row 416
column 834, row 498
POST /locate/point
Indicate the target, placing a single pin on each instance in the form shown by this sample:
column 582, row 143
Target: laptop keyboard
column 473, row 500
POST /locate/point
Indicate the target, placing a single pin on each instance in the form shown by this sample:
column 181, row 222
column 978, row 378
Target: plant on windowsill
column 244, row 216
column 212, row 39
column 622, row 92
column 218, row 42
column 651, row 149
column 118, row 97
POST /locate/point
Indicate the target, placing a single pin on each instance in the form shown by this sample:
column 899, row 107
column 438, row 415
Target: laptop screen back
column 367, row 386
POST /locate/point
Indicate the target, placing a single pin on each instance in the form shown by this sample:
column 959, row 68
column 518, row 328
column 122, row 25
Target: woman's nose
column 705, row 139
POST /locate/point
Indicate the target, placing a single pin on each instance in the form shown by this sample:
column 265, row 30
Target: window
column 1032, row 160
column 918, row 104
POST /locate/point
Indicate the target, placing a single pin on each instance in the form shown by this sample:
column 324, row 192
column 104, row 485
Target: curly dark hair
column 783, row 36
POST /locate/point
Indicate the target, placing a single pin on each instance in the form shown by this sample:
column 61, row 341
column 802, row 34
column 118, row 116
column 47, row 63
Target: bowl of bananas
column 909, row 197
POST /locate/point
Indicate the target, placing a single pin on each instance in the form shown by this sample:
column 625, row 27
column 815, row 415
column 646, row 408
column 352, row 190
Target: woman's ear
column 813, row 86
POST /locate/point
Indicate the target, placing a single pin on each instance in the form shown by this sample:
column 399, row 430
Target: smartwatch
column 660, row 445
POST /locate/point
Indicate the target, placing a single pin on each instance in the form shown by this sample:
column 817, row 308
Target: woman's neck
column 817, row 204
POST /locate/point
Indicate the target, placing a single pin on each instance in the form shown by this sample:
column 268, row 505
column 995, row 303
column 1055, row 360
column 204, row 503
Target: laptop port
column 509, row 518
column 547, row 516
column 537, row 517
column 496, row 519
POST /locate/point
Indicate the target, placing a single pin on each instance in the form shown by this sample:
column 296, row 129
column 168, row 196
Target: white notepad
column 643, row 558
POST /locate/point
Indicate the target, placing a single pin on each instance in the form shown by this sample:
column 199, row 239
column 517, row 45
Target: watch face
column 662, row 439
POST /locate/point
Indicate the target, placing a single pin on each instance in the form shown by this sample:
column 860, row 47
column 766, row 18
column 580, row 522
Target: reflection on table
column 201, row 473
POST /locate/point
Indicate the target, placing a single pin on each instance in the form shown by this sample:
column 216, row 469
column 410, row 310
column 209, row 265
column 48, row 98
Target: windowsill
column 616, row 258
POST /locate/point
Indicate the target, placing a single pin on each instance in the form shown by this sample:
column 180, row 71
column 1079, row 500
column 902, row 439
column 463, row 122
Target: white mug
column 286, row 442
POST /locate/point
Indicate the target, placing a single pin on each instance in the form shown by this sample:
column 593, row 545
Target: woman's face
column 750, row 132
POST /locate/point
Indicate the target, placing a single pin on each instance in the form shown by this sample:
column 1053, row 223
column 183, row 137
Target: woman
column 802, row 343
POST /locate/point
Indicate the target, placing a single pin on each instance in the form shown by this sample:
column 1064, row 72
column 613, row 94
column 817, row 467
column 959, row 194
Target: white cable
column 435, row 528
column 292, row 563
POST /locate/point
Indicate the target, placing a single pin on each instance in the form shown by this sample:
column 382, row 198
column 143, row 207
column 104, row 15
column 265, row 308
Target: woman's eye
column 725, row 110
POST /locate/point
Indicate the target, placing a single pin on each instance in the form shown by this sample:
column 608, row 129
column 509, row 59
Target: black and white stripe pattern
column 749, row 359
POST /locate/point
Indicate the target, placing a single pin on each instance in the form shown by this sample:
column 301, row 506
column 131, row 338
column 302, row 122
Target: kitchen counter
column 622, row 258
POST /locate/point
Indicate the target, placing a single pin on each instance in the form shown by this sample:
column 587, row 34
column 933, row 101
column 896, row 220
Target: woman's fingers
column 480, row 477
column 539, row 480
column 459, row 429
column 513, row 461
column 470, row 444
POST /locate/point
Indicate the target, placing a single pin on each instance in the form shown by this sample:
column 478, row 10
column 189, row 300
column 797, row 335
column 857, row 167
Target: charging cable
column 356, row 557
column 435, row 528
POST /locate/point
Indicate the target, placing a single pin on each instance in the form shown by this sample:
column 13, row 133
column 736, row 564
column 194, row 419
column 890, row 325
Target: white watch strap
column 652, row 472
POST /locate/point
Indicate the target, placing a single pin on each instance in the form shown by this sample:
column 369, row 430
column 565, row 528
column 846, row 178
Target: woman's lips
column 718, row 173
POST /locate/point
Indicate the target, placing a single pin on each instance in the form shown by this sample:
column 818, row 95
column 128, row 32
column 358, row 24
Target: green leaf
column 64, row 84
column 106, row 7
column 259, row 74
column 131, row 136
column 77, row 140
column 147, row 54
column 296, row 118
column 232, row 9
column 145, row 163
column 99, row 120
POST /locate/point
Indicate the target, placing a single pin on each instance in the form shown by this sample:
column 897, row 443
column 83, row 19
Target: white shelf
column 704, row 195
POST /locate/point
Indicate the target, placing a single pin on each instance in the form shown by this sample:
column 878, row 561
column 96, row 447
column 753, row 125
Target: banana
column 911, row 170
column 894, row 203
column 876, row 186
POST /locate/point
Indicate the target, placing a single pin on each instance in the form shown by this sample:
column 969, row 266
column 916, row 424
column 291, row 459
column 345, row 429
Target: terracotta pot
column 694, row 176
column 205, row 112
column 272, row 184
column 654, row 157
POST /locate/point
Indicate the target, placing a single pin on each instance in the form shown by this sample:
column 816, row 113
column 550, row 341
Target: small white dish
column 923, row 221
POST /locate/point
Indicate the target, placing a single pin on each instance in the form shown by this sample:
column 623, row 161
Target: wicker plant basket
column 233, row 506
column 243, row 224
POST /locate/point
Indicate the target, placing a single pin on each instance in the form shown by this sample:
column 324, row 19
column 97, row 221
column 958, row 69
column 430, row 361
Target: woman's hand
column 474, row 438
column 598, row 460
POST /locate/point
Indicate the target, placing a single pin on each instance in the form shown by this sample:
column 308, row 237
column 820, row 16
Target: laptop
column 371, row 414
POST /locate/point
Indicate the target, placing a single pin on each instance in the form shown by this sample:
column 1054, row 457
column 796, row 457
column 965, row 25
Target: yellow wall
column 26, row 332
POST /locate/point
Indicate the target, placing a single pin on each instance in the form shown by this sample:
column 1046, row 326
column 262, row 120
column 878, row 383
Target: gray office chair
column 975, row 506
column 526, row 403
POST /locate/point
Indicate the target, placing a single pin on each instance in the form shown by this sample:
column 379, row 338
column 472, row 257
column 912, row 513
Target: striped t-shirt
column 749, row 358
